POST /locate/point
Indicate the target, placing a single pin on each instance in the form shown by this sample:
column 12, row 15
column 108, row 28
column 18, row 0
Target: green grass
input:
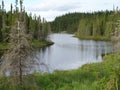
column 39, row 44
column 101, row 38
column 96, row 76
column 35, row 44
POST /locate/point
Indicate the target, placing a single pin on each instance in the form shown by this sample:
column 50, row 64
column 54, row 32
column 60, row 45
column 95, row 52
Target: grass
column 96, row 76
column 35, row 44
column 96, row 38
column 40, row 44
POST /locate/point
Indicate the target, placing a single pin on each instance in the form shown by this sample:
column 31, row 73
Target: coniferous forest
column 21, row 34
column 36, row 26
column 97, row 25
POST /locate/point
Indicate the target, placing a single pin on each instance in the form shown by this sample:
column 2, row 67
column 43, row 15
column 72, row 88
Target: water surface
column 69, row 52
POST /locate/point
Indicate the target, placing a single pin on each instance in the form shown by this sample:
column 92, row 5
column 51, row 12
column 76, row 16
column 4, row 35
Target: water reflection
column 69, row 52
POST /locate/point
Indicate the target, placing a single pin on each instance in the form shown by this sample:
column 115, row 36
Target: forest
column 35, row 26
column 97, row 25
column 22, row 33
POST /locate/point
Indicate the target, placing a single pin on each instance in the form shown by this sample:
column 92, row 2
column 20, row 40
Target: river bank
column 69, row 52
column 99, row 74
column 96, row 38
column 96, row 76
column 35, row 44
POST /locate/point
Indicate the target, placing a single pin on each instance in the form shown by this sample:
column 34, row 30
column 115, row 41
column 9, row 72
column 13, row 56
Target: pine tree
column 11, row 11
column 3, row 16
column 116, row 38
column 1, row 36
column 4, row 24
column 17, row 60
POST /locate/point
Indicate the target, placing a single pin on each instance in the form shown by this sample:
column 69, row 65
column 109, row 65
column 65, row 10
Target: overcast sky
column 49, row 9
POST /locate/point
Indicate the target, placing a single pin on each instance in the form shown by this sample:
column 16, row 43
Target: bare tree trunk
column 20, row 77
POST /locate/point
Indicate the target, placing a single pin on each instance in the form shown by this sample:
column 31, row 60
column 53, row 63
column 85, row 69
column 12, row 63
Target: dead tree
column 17, row 61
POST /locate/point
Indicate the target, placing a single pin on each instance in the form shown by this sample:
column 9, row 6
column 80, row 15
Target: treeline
column 96, row 24
column 68, row 22
column 37, row 27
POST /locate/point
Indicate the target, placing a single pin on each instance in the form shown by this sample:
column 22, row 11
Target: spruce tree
column 116, row 38
column 17, row 60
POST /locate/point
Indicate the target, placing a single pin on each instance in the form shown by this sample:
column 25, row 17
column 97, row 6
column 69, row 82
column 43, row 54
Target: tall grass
column 96, row 76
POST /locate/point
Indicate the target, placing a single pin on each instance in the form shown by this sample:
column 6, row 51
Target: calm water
column 69, row 52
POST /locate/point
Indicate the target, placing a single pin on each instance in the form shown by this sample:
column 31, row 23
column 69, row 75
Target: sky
column 49, row 9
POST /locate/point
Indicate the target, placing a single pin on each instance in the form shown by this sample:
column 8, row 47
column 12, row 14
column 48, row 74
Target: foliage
column 15, row 29
column 116, row 37
column 96, row 38
column 99, row 76
column 38, row 28
column 39, row 44
column 96, row 76
column 98, row 24
column 68, row 22
column 15, row 61
column 90, row 25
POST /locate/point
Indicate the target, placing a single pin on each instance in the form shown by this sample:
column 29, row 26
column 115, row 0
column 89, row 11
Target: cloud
column 52, row 8
column 55, row 5
column 48, row 15
column 68, row 5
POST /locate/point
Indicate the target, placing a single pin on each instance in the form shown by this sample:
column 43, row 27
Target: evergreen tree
column 3, row 16
column 4, row 24
column 116, row 38
column 1, row 37
column 16, row 59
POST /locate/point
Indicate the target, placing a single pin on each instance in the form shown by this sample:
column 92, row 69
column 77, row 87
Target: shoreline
column 35, row 44
column 96, row 38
